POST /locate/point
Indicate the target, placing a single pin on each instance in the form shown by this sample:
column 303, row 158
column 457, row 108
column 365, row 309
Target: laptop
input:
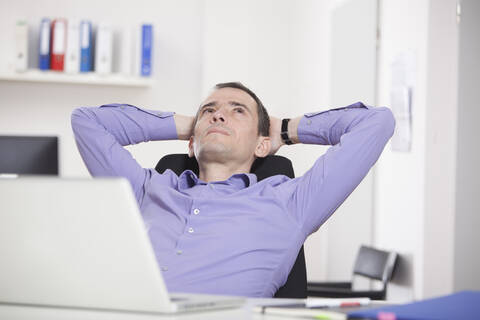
column 82, row 243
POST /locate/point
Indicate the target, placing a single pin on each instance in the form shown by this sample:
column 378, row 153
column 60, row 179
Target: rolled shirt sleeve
column 101, row 132
column 358, row 135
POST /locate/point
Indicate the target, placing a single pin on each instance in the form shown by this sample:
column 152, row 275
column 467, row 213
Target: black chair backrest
column 375, row 264
column 262, row 167
column 296, row 285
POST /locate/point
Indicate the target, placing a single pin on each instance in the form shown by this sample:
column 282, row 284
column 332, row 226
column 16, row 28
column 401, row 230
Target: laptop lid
column 77, row 243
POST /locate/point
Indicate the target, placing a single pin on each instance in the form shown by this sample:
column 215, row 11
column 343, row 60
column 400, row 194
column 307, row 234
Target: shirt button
column 196, row 211
column 164, row 268
column 309, row 122
column 179, row 252
column 190, row 230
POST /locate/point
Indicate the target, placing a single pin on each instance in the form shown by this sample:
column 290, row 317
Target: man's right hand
column 184, row 125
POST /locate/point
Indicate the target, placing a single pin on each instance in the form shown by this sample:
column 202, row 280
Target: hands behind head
column 275, row 138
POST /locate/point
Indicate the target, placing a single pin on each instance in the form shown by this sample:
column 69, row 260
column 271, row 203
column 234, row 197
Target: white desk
column 16, row 312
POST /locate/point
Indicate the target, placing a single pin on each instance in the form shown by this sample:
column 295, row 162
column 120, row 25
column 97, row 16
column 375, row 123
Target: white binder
column 72, row 52
column 123, row 58
column 103, row 49
column 137, row 50
column 21, row 46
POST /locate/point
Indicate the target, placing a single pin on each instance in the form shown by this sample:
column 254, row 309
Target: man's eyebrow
column 235, row 103
column 232, row 103
column 238, row 104
column 212, row 103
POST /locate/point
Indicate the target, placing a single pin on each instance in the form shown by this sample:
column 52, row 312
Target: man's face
column 227, row 128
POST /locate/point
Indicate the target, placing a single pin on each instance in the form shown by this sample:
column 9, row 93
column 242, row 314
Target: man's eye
column 239, row 110
column 207, row 110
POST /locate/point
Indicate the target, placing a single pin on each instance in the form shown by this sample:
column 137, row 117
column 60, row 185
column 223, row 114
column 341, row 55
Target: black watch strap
column 284, row 133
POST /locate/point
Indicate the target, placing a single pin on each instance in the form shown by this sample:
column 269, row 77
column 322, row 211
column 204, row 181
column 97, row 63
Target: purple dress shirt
column 238, row 236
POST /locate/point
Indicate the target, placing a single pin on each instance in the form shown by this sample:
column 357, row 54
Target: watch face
column 285, row 125
column 284, row 133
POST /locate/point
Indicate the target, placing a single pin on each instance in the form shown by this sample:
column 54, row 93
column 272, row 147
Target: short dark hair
column 263, row 118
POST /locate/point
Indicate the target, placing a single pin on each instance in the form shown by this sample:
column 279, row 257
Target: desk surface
column 14, row 312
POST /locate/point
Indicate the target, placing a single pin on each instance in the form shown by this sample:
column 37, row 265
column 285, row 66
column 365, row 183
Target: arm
column 358, row 135
column 101, row 133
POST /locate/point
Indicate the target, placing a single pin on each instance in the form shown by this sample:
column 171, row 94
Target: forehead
column 231, row 94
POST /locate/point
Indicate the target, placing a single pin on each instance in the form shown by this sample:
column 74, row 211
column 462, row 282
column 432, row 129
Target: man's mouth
column 217, row 130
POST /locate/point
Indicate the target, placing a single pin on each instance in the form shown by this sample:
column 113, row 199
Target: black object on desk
column 29, row 155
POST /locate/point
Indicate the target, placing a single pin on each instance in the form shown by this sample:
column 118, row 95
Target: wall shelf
column 89, row 78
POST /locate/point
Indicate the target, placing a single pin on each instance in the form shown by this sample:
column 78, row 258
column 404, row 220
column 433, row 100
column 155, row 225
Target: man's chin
column 212, row 151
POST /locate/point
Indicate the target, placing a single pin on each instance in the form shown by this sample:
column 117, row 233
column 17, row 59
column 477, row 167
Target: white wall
column 425, row 199
column 42, row 108
column 399, row 184
column 467, row 204
column 352, row 78
column 441, row 143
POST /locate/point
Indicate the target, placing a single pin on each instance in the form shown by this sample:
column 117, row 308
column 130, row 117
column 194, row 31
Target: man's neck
column 215, row 171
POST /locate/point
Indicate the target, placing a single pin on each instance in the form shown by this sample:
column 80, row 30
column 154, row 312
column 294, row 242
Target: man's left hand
column 275, row 138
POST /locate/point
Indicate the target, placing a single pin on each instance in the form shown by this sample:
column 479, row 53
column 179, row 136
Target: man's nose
column 218, row 116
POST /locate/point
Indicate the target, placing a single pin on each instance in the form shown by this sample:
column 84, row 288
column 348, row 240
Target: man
column 223, row 232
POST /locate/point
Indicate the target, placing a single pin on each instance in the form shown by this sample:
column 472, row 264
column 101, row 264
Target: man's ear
column 191, row 153
column 263, row 147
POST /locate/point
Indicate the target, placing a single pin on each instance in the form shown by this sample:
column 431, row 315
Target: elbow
column 76, row 114
column 77, row 117
column 386, row 121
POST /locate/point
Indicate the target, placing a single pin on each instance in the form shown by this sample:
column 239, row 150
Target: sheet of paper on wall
column 400, row 102
column 401, row 98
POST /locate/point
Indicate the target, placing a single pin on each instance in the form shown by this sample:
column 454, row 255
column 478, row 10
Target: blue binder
column 461, row 305
column 86, row 63
column 147, row 46
column 44, row 45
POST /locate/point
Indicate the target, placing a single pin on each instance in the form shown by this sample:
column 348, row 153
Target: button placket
column 194, row 211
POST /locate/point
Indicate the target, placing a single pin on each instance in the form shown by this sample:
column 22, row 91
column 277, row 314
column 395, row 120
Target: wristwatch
column 284, row 133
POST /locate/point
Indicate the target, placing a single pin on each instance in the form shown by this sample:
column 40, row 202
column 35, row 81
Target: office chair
column 296, row 284
column 371, row 263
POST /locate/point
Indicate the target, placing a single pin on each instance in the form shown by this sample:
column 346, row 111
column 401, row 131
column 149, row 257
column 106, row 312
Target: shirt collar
column 189, row 179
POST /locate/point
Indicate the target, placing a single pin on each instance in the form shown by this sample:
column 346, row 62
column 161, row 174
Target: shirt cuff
column 314, row 127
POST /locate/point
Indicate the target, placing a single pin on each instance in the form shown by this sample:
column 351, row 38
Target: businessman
column 223, row 232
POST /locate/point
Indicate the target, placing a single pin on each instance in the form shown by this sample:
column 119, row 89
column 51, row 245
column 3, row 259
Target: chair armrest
column 344, row 293
column 330, row 284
